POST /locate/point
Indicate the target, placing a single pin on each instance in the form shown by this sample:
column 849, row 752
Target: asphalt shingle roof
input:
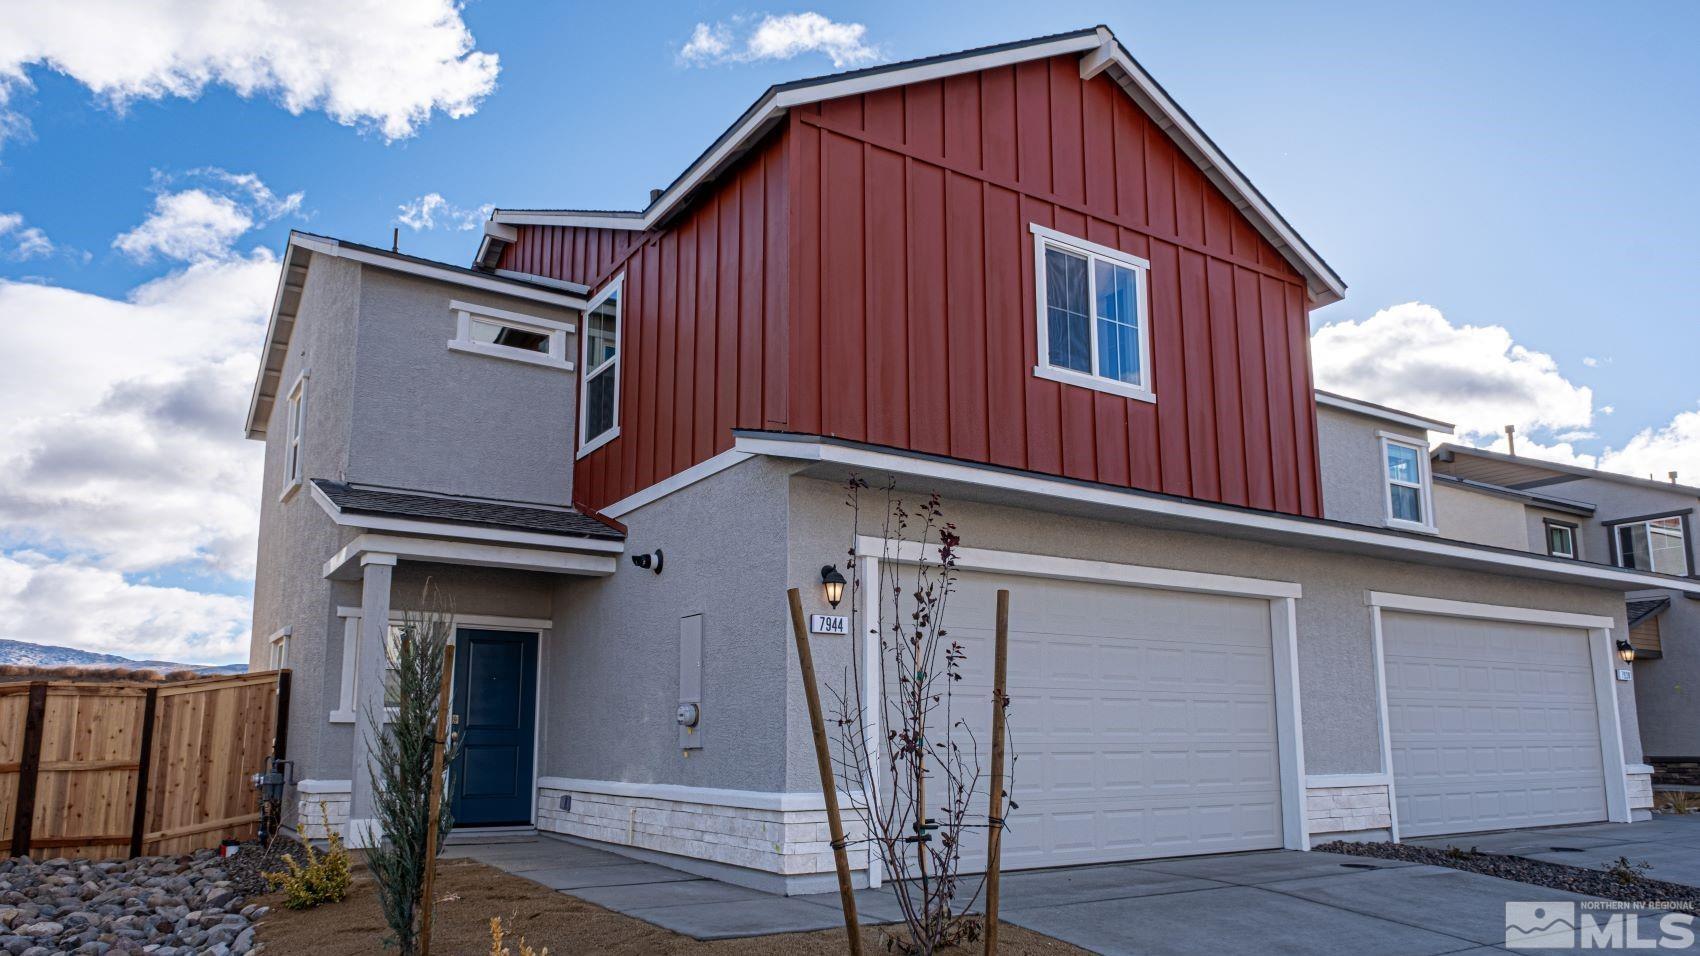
column 1641, row 610
column 352, row 499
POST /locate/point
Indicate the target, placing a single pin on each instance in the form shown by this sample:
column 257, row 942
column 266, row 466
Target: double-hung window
column 1410, row 503
column 1094, row 315
column 1656, row 544
column 599, row 393
column 292, row 441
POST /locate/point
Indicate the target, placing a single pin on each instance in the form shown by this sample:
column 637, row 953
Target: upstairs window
column 498, row 333
column 1656, row 544
column 1561, row 539
column 1094, row 318
column 599, row 398
column 292, row 469
column 1405, row 468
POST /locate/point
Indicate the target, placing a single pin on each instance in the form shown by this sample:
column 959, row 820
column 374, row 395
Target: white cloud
column 386, row 65
column 20, row 241
column 1590, row 361
column 1657, row 451
column 1477, row 377
column 55, row 602
column 779, row 38
column 202, row 222
column 1608, row 409
column 432, row 210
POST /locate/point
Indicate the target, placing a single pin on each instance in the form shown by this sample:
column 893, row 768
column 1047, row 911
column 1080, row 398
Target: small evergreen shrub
column 324, row 878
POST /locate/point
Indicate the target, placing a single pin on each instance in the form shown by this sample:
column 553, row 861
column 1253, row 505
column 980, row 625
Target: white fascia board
column 451, row 530
column 471, row 553
column 777, row 104
column 488, row 284
column 576, row 288
column 1081, row 569
column 1384, row 414
column 684, row 479
column 1302, row 530
column 255, row 429
column 500, row 232
column 1418, row 604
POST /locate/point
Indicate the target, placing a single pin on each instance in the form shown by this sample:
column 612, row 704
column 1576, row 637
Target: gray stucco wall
column 296, row 536
column 1480, row 518
column 1353, row 476
column 430, row 418
column 1613, row 500
column 1667, row 689
column 612, row 670
column 1337, row 680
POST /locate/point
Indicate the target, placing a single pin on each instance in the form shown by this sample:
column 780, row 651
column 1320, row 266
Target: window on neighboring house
column 498, row 333
column 1094, row 323
column 1561, row 539
column 1653, row 545
column 292, row 469
column 1405, row 467
column 599, row 398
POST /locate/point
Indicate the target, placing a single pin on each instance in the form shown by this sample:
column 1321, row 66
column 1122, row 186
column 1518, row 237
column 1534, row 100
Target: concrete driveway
column 1671, row 843
column 1277, row 902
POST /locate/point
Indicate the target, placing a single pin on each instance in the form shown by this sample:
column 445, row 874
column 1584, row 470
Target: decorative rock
column 164, row 906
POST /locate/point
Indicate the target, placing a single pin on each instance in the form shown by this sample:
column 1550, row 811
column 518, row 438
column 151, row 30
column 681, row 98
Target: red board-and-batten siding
column 896, row 299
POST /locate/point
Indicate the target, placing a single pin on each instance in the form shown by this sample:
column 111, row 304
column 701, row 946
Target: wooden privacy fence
column 98, row 770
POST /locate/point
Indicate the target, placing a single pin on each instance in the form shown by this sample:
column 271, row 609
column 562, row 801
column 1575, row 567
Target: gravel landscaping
column 162, row 905
column 1575, row 879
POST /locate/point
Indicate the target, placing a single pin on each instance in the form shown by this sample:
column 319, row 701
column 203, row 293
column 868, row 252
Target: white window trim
column 344, row 712
column 1681, row 535
column 295, row 438
column 466, row 312
column 1575, row 553
column 1424, row 484
column 612, row 366
column 278, row 645
column 1042, row 238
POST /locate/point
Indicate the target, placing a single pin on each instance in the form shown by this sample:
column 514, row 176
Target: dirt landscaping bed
column 1558, row 876
column 470, row 893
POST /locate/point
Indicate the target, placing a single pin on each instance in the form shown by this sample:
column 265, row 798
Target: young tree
column 401, row 773
column 914, row 778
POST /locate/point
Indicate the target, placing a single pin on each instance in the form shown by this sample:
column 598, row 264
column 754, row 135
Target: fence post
column 144, row 767
column 29, row 769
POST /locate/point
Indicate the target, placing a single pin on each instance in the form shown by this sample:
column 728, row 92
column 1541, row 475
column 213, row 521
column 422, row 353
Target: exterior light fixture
column 832, row 583
column 1626, row 651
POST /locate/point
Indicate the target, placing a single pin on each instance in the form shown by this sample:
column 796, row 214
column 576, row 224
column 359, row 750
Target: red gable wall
column 868, row 273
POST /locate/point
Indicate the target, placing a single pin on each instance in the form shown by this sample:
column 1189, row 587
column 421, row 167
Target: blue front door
column 495, row 710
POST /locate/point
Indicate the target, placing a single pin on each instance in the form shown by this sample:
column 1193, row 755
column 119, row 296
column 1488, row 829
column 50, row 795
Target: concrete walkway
column 1671, row 843
column 1270, row 902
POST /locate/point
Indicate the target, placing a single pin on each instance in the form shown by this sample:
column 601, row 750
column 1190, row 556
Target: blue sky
column 1523, row 170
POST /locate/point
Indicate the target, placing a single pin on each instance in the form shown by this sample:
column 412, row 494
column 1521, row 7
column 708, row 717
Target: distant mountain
column 46, row 655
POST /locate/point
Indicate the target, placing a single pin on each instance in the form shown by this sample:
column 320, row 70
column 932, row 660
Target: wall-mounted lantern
column 832, row 584
column 1626, row 651
column 649, row 562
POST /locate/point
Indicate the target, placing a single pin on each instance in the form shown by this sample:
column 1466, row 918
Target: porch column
column 376, row 570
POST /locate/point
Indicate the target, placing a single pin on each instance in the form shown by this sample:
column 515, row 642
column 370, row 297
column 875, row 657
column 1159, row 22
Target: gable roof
column 1522, row 473
column 292, row 278
column 1100, row 52
column 1383, row 412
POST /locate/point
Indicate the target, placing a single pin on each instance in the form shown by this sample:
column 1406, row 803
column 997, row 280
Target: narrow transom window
column 292, row 468
column 499, row 333
column 600, row 398
column 1654, row 545
column 1094, row 323
column 1405, row 465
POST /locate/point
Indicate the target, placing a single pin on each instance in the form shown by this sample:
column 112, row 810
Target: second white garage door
column 1144, row 719
column 1492, row 725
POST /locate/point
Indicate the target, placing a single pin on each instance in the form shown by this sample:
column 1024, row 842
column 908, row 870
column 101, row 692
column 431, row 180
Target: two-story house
column 1586, row 515
column 1020, row 276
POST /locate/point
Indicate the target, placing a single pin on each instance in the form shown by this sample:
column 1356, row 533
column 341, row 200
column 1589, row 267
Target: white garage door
column 1144, row 719
column 1493, row 725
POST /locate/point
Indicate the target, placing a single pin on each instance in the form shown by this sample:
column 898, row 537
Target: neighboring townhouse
column 1020, row 277
column 1643, row 523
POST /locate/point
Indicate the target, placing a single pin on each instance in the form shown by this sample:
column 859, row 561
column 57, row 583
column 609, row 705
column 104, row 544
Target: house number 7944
column 829, row 624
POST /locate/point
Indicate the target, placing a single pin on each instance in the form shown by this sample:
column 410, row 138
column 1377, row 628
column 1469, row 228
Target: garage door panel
column 1503, row 735
column 1144, row 720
